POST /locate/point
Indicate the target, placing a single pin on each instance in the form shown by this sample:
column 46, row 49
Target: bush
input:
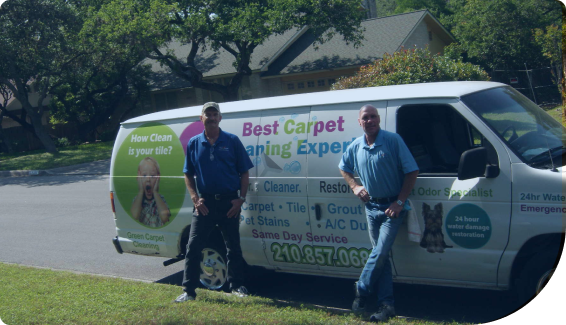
column 412, row 66
column 62, row 142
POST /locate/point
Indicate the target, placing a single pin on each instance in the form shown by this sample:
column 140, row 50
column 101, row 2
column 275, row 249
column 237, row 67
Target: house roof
column 382, row 35
column 293, row 51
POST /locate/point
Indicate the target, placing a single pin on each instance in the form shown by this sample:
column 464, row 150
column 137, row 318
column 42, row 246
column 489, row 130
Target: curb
column 23, row 173
column 91, row 168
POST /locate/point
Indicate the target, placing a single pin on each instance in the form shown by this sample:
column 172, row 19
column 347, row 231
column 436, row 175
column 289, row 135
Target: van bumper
column 116, row 243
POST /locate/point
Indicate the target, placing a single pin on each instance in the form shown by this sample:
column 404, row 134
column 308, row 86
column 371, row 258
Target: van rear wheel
column 214, row 266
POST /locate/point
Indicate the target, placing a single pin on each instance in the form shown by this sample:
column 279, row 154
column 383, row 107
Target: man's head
column 210, row 115
column 369, row 120
column 148, row 170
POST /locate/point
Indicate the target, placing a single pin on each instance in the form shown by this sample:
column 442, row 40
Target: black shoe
column 383, row 314
column 185, row 297
column 241, row 291
column 359, row 304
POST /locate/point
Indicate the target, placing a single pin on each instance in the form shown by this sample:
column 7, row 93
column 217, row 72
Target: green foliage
column 36, row 44
column 437, row 7
column 411, row 66
column 238, row 27
column 62, row 142
column 499, row 34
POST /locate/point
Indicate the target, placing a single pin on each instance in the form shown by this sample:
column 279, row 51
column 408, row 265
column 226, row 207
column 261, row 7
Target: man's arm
column 237, row 203
column 197, row 201
column 358, row 190
column 408, row 184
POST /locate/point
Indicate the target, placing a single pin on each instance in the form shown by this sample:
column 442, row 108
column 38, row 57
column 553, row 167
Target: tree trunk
column 6, row 143
column 39, row 129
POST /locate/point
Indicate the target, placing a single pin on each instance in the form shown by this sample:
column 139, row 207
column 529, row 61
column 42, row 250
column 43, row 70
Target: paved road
column 64, row 222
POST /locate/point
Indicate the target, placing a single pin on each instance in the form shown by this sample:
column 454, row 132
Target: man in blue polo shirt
column 220, row 163
column 388, row 173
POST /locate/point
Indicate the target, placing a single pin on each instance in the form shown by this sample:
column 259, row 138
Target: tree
column 34, row 49
column 385, row 7
column 236, row 26
column 412, row 66
column 437, row 7
column 6, row 95
column 550, row 42
column 100, row 81
column 499, row 34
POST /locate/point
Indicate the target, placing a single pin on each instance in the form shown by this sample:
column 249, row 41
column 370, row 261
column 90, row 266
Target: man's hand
column 394, row 210
column 199, row 205
column 236, row 207
column 362, row 193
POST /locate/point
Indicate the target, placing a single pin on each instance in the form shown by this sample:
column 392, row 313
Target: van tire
column 214, row 264
column 534, row 277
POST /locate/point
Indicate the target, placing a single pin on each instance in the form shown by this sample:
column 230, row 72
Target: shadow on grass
column 436, row 304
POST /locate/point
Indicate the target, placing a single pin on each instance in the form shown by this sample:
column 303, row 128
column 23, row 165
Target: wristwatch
column 400, row 202
column 242, row 198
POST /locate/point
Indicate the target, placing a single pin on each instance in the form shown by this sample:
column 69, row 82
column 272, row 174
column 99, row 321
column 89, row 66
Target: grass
column 67, row 156
column 555, row 112
column 42, row 296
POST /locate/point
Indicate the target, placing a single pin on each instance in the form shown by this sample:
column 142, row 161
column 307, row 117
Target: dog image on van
column 433, row 238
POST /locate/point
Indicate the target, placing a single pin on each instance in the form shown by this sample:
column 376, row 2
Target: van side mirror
column 472, row 163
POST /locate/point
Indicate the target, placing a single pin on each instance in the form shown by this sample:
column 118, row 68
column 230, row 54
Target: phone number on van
column 320, row 255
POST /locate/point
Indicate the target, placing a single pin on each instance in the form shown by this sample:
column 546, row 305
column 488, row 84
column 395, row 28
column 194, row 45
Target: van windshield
column 537, row 138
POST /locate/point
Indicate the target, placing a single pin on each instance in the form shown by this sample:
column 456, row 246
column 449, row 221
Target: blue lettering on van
column 321, row 148
column 270, row 186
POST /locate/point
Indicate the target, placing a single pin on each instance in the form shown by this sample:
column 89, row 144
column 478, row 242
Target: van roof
column 453, row 89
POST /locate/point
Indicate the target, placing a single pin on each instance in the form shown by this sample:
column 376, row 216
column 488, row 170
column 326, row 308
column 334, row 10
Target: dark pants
column 201, row 228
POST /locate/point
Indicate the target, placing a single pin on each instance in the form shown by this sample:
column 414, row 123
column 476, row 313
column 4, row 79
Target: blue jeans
column 377, row 271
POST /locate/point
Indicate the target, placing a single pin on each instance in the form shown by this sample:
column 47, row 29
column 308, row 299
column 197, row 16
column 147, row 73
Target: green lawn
column 41, row 160
column 42, row 296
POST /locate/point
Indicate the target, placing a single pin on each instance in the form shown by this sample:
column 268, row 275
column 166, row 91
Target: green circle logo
column 147, row 172
column 468, row 226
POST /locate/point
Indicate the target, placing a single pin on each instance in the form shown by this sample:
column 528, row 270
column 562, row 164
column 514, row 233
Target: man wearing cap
column 388, row 173
column 220, row 163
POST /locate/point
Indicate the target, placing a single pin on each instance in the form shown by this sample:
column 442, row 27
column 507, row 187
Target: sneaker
column 185, row 297
column 383, row 314
column 359, row 304
column 241, row 291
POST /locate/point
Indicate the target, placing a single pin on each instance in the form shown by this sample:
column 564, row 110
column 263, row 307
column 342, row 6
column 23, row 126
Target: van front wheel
column 534, row 277
column 213, row 266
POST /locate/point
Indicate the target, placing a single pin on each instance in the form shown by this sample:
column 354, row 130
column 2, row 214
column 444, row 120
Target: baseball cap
column 210, row 105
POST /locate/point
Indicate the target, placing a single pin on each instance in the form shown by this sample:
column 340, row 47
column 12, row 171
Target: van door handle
column 318, row 212
column 255, row 187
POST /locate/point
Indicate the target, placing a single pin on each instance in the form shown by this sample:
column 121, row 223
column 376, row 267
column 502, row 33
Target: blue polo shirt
column 217, row 167
column 381, row 167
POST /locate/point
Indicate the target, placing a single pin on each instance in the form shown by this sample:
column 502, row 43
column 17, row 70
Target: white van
column 489, row 198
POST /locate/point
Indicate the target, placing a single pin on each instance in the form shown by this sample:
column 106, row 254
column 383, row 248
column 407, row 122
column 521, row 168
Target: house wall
column 424, row 35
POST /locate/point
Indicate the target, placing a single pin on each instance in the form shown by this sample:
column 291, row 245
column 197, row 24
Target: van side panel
column 465, row 223
column 340, row 226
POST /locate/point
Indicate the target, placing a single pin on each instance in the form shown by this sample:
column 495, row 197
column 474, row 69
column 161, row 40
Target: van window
column 437, row 135
column 537, row 138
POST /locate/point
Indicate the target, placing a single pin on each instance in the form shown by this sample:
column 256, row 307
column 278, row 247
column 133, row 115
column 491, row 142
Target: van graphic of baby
column 149, row 207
